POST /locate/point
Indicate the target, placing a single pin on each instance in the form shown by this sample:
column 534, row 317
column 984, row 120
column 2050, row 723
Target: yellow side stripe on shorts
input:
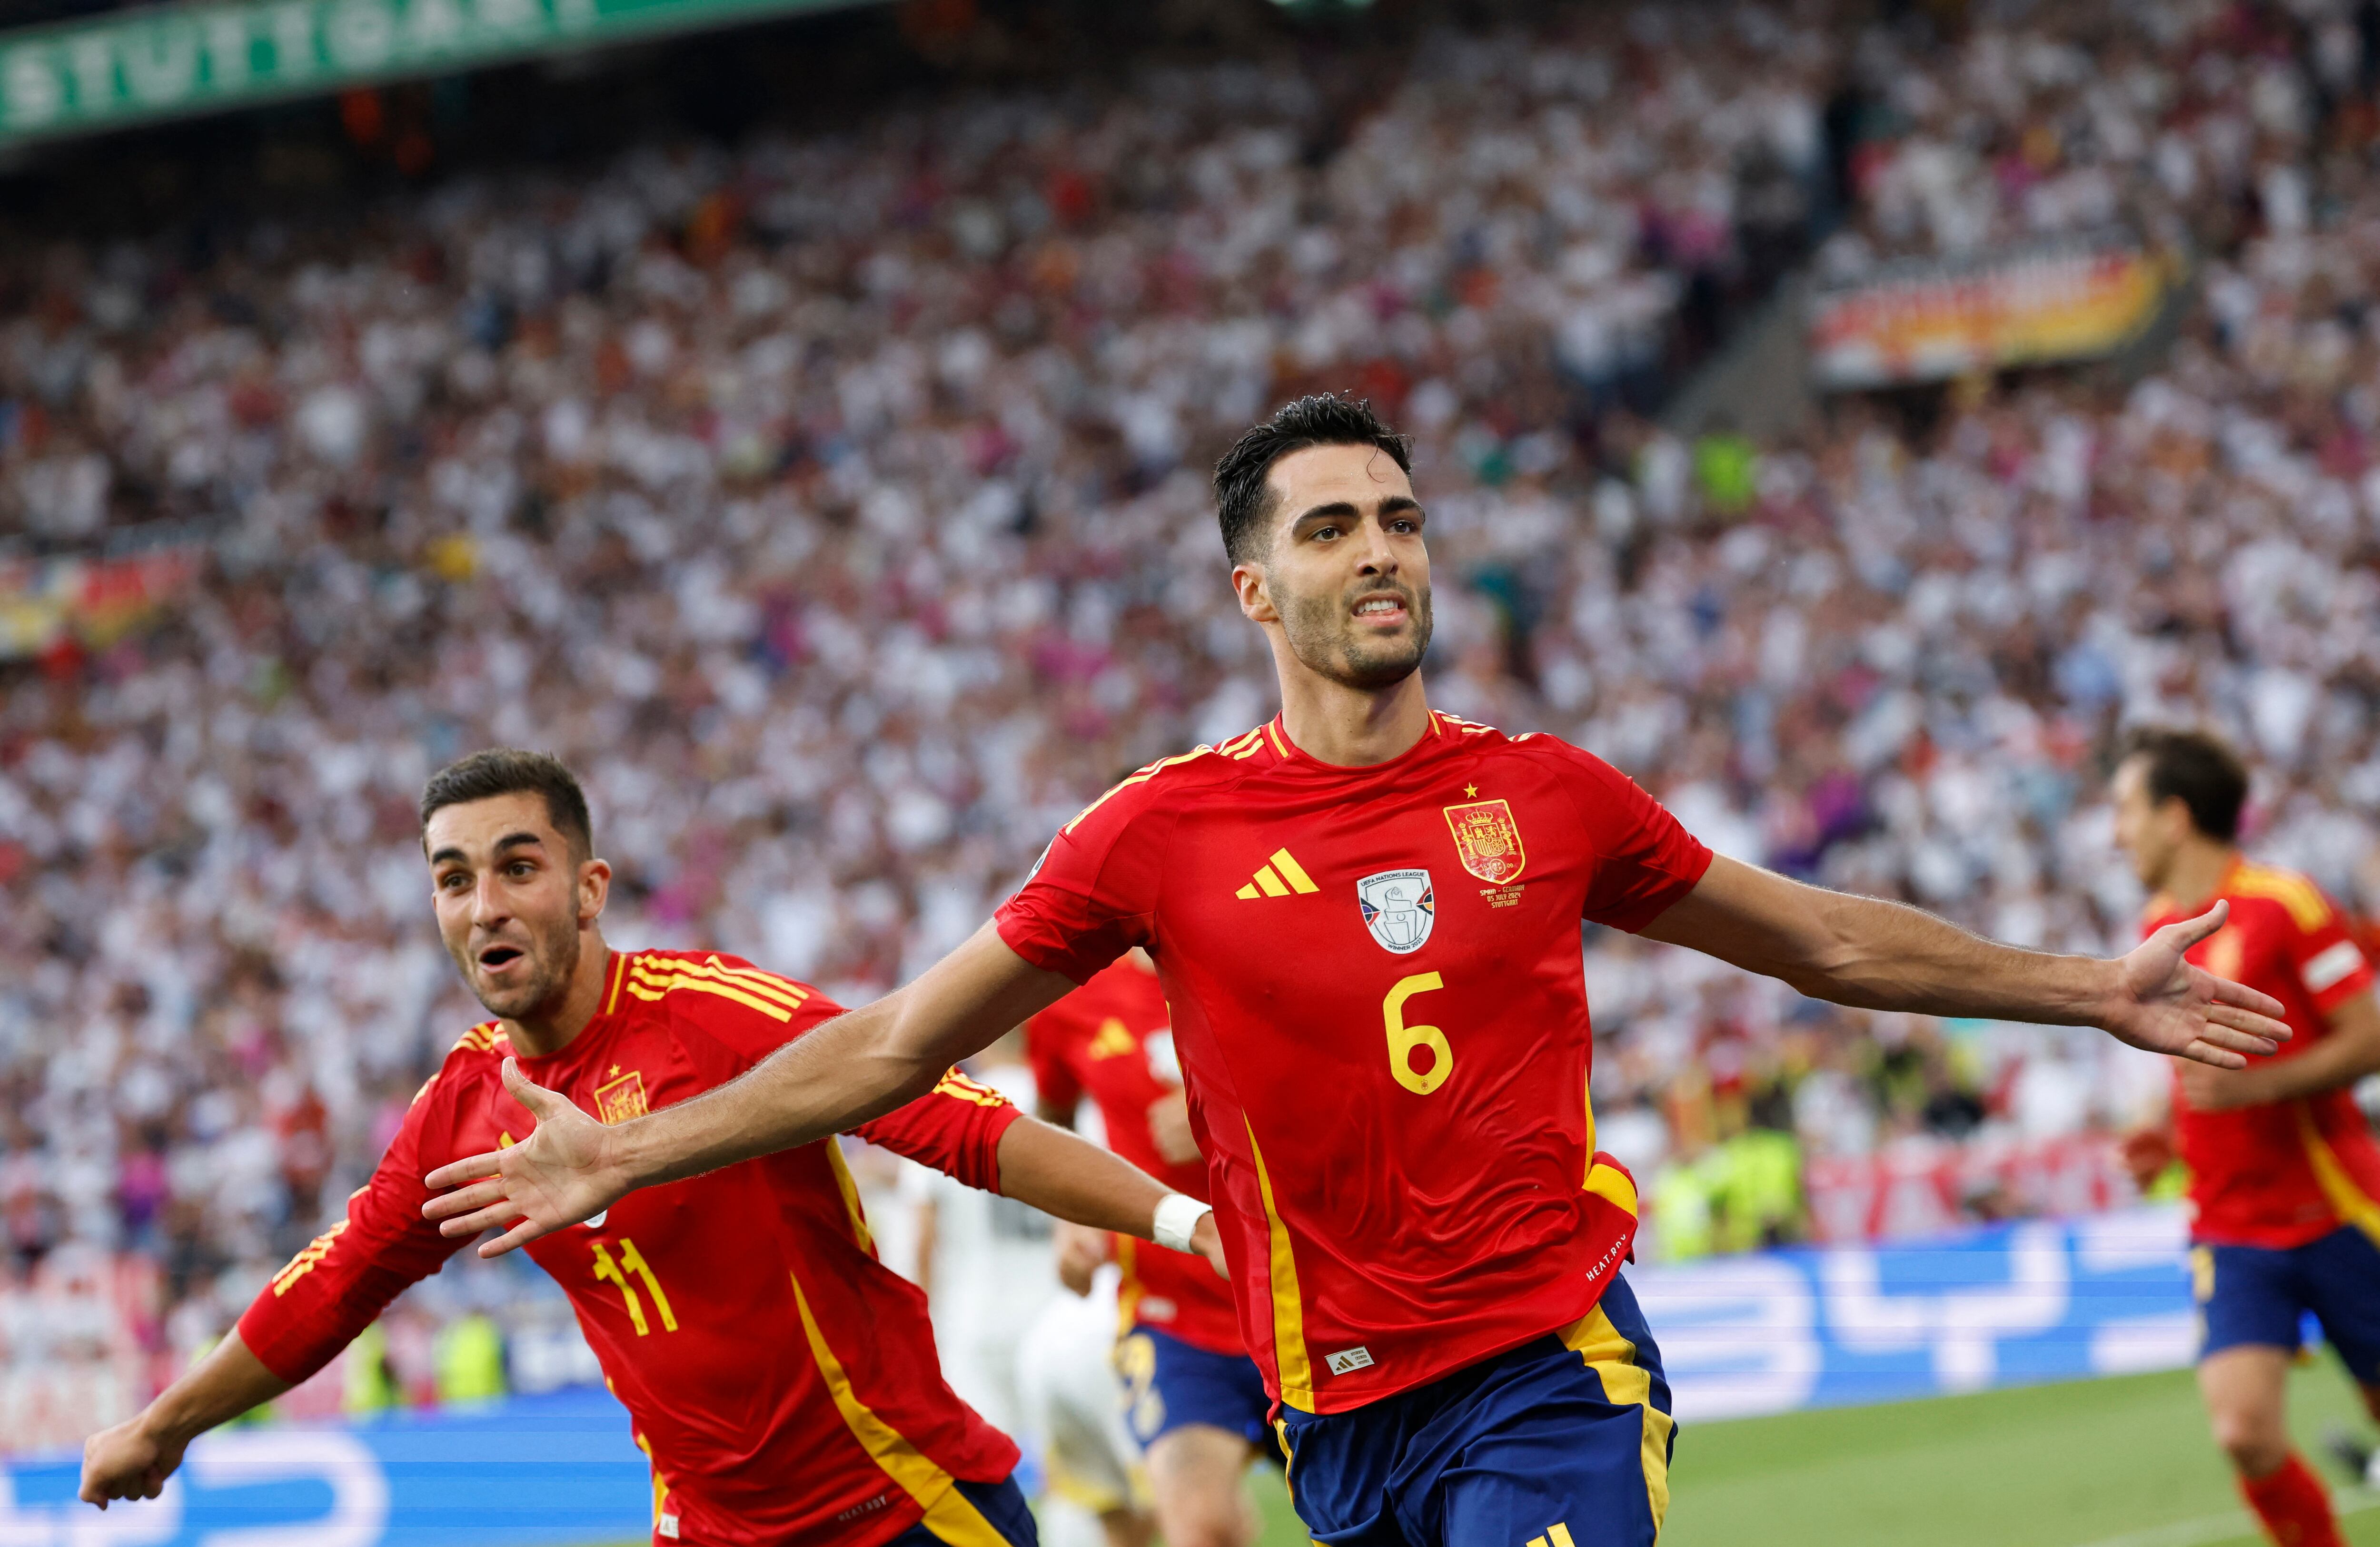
column 1626, row 1383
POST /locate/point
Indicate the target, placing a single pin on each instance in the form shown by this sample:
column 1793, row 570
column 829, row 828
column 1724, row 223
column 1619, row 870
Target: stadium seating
column 836, row 506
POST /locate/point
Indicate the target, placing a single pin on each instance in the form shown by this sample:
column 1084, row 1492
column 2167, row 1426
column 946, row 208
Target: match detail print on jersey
column 1399, row 909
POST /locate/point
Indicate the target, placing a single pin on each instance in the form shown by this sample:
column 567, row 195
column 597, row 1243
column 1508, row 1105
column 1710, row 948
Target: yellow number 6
column 1404, row 1039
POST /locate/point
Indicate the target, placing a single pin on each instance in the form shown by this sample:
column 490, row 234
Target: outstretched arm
column 312, row 1308
column 133, row 1459
column 1876, row 955
column 1073, row 1179
column 856, row 1066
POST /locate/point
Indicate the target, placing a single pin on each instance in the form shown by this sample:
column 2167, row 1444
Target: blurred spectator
column 837, row 506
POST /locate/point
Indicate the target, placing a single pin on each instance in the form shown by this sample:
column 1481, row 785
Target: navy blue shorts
column 975, row 1514
column 1169, row 1384
column 1563, row 1442
column 2262, row 1294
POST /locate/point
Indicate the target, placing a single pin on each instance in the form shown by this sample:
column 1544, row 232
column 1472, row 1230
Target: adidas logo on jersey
column 1278, row 877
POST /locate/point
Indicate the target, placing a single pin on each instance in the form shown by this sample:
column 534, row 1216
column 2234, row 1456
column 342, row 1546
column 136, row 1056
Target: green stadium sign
column 206, row 56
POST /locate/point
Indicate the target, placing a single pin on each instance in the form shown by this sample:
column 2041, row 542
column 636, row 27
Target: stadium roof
column 143, row 63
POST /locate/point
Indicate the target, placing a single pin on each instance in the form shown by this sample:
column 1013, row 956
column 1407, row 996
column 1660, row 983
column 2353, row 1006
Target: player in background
column 984, row 1260
column 1097, row 1493
column 2284, row 1172
column 782, row 1380
column 1365, row 916
column 1194, row 1399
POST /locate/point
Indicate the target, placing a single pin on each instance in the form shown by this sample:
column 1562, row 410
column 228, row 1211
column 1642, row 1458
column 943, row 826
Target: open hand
column 2166, row 1004
column 559, row 1175
column 128, row 1461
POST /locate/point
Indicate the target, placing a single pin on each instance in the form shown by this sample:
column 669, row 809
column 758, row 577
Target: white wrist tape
column 1177, row 1216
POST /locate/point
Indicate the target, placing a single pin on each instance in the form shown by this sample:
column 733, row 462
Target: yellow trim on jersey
column 1273, row 732
column 948, row 1514
column 312, row 1252
column 959, row 1087
column 1128, row 1291
column 649, row 984
column 751, row 980
column 1586, row 1105
column 1606, row 1181
column 1627, row 1383
column 1288, row 1310
column 481, row 1038
column 783, row 989
column 619, row 973
column 1245, row 745
column 1143, row 776
column 660, row 1483
column 850, row 1190
column 2308, row 910
column 2352, row 1202
column 1612, row 1182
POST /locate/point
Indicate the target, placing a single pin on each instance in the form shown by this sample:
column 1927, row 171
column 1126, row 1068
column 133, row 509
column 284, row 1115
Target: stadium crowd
column 837, row 506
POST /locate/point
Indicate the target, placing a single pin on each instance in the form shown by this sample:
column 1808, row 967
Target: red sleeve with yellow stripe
column 347, row 1274
column 954, row 1128
column 2306, row 931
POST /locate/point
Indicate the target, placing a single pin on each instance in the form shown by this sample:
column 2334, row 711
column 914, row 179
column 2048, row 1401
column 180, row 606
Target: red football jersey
column 1113, row 1040
column 2284, row 1173
column 1389, row 1080
column 783, row 1382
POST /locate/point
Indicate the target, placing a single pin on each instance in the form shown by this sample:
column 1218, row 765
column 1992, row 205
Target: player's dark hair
column 1244, row 502
column 506, row 770
column 2198, row 771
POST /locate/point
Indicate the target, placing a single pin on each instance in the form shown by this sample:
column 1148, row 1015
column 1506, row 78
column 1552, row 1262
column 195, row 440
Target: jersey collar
column 1276, row 734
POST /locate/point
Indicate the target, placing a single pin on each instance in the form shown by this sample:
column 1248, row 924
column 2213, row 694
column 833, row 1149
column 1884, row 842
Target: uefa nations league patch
column 1398, row 909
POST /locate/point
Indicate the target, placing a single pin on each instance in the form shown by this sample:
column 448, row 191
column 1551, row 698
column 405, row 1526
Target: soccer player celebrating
column 783, row 1381
column 1389, row 1080
column 1195, row 1401
column 2284, row 1174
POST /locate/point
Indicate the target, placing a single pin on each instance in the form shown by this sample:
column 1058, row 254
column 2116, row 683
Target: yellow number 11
column 634, row 1261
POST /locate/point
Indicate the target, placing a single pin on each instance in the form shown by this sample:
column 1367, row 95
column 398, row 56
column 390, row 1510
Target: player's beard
column 1324, row 636
column 554, row 959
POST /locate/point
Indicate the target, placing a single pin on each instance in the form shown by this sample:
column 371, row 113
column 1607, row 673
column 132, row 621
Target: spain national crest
column 622, row 1099
column 1398, row 908
column 1488, row 841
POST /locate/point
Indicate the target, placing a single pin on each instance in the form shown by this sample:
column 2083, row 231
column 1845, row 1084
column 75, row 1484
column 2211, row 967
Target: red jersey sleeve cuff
column 1631, row 917
column 1045, row 944
column 291, row 1347
column 997, row 1122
